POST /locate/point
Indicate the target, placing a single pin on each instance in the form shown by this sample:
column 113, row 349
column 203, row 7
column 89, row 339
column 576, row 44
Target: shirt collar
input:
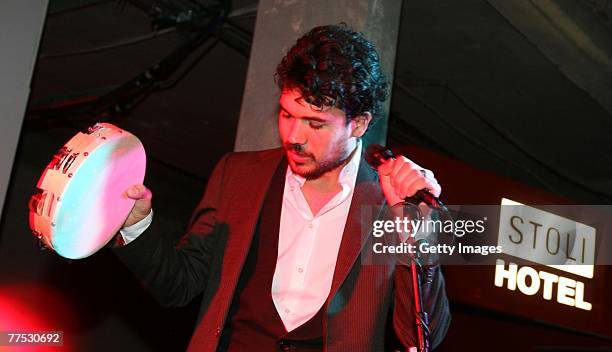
column 348, row 175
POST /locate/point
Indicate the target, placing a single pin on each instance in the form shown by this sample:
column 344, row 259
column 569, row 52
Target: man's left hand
column 401, row 178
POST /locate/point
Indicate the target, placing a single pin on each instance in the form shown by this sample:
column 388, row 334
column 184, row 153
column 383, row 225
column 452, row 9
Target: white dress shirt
column 131, row 232
column 308, row 245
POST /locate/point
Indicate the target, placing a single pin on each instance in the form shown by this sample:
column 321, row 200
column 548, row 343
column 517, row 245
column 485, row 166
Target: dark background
column 468, row 85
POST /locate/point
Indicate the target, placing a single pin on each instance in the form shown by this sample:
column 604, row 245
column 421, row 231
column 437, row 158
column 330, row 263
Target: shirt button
column 310, row 225
column 287, row 310
column 300, row 270
column 292, row 188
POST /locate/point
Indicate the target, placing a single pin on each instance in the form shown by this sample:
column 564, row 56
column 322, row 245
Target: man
column 276, row 243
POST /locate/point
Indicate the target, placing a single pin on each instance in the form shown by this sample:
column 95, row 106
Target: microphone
column 377, row 155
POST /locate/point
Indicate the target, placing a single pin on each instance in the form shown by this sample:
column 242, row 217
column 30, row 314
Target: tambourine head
column 82, row 202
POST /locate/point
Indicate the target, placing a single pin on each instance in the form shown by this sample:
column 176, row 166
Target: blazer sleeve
column 174, row 275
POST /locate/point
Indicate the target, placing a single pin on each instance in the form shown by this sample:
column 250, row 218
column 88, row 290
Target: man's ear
column 360, row 124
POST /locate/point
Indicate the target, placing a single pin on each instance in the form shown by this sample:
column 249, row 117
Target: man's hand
column 401, row 178
column 142, row 207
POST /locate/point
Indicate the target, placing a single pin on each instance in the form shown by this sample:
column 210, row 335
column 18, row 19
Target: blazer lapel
column 248, row 194
column 247, row 188
column 367, row 196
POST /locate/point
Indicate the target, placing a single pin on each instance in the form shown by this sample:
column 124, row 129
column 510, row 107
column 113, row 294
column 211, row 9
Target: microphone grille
column 376, row 154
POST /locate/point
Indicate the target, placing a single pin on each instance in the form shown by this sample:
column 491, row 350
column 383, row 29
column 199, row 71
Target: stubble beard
column 337, row 159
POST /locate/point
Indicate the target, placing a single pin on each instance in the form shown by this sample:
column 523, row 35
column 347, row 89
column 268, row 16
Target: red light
column 34, row 308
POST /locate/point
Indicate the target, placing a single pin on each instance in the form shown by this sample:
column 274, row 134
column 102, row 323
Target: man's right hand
column 142, row 206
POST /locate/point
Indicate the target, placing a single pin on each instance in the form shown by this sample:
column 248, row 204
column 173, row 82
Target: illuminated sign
column 548, row 239
column 568, row 291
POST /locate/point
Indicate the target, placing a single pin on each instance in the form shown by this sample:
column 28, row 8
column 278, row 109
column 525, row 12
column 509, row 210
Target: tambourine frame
column 100, row 162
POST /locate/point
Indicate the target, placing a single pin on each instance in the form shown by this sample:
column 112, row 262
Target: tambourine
column 81, row 201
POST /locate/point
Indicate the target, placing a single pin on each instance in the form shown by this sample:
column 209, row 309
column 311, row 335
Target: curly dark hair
column 335, row 66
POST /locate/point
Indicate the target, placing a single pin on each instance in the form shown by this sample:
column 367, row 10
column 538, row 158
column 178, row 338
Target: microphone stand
column 376, row 155
column 420, row 315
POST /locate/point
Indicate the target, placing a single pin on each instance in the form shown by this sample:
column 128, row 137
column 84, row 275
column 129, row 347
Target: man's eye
column 316, row 125
column 285, row 115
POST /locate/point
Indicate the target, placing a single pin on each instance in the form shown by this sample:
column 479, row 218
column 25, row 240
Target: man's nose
column 297, row 133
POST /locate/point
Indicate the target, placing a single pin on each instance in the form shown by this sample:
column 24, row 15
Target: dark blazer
column 211, row 256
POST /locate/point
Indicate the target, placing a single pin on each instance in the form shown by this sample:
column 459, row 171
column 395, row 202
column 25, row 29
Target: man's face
column 315, row 141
